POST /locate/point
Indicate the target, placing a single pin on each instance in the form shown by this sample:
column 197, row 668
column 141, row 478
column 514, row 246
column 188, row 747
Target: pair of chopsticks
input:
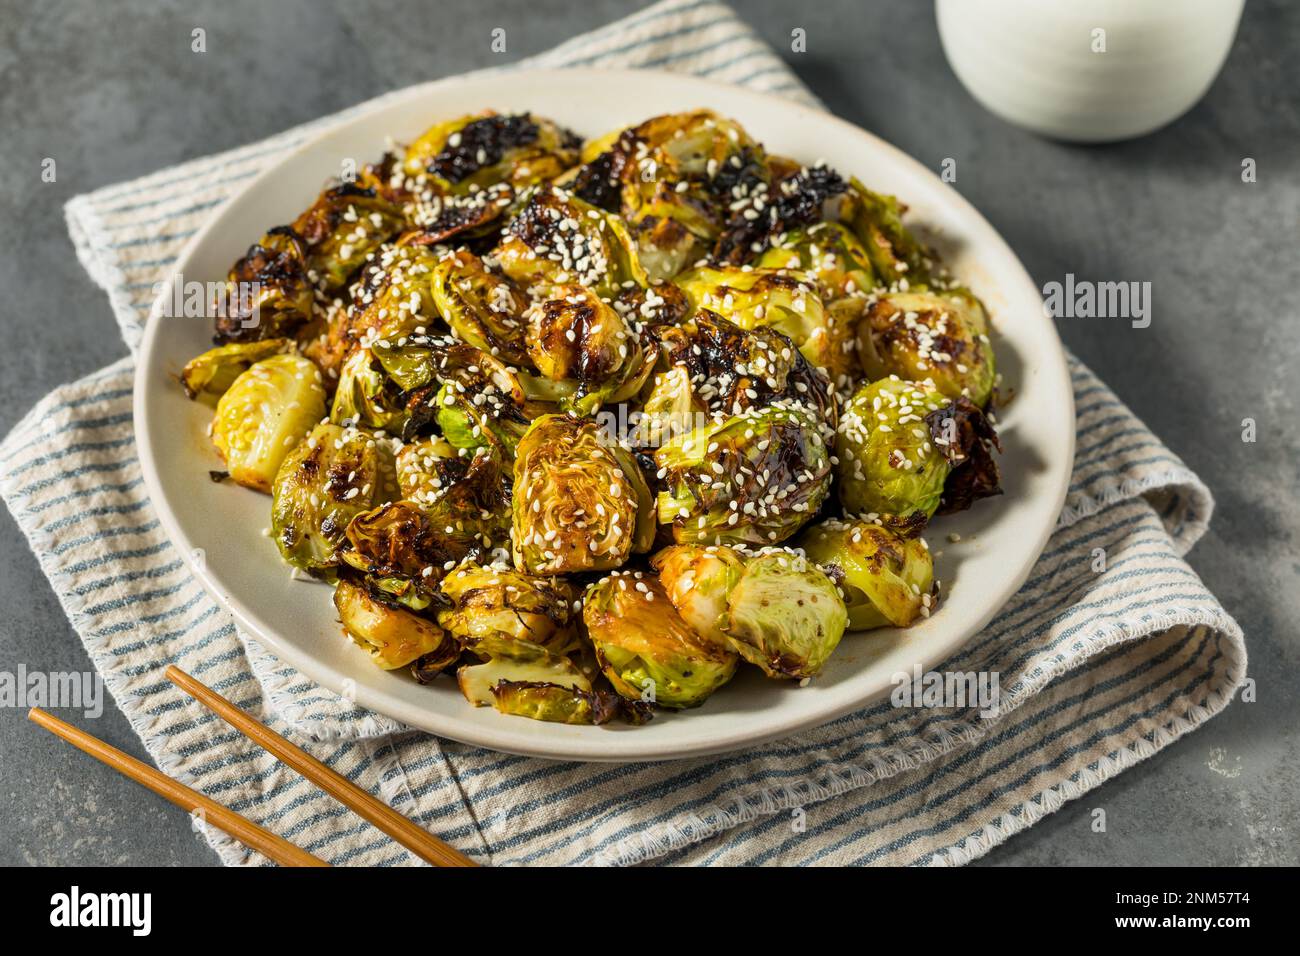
column 410, row 835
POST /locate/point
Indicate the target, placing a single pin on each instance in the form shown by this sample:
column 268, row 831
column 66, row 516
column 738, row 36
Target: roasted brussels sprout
column 264, row 414
column 426, row 468
column 576, row 339
column 558, row 704
column 939, row 337
column 393, row 298
column 698, row 580
column 209, row 375
column 392, row 636
column 268, row 291
column 671, row 409
column 888, row 462
column 887, row 578
column 732, row 370
column 365, row 395
column 772, row 298
column 899, row 261
column 482, row 308
column 645, row 648
column 579, row 504
column 420, row 541
column 785, row 615
column 331, row 477
column 754, row 478
column 558, row 239
column 492, row 601
column 472, row 152
column 829, row 253
column 344, row 226
column 513, row 661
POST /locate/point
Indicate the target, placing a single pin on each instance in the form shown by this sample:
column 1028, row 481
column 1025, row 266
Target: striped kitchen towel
column 1098, row 667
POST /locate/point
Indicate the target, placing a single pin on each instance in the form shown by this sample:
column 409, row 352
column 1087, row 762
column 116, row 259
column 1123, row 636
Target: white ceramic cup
column 1087, row 70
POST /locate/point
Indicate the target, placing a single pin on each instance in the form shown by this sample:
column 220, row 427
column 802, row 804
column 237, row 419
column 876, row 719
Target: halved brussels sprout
column 645, row 648
column 365, row 396
column 515, row 661
column 754, row 478
column 268, row 292
column 492, row 601
column 266, row 411
column 897, row 258
column 785, row 615
column 829, row 253
column 331, row 477
column 732, row 370
column 482, row 308
column 698, row 580
column 421, row 541
column 562, row 705
column 471, row 152
column 393, row 299
column 887, row 578
column 579, row 504
column 559, row 239
column 574, row 337
column 771, row 298
column 208, row 376
column 940, row 337
column 888, row 462
column 343, row 226
column 392, row 636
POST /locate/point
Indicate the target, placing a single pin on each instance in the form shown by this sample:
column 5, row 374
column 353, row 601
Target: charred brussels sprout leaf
column 888, row 461
column 792, row 202
column 209, row 375
column 579, row 503
column 769, row 298
column 493, row 602
column 264, row 414
column 482, row 308
column 967, row 440
column 887, row 578
column 754, row 478
column 268, row 293
column 393, row 637
column 328, row 479
column 645, row 648
column 897, row 258
column 698, row 580
column 939, row 337
column 785, row 615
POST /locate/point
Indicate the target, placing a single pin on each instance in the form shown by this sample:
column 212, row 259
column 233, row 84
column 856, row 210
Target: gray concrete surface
column 113, row 91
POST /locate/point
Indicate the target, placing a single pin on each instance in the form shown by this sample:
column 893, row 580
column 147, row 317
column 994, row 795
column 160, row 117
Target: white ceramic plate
column 1001, row 537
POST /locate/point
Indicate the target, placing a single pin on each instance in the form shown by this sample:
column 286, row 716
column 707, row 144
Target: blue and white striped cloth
column 1097, row 670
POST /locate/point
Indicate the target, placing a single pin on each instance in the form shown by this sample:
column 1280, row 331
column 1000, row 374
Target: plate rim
column 504, row 740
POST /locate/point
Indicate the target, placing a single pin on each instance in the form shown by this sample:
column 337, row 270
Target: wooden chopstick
column 412, row 836
column 223, row 818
